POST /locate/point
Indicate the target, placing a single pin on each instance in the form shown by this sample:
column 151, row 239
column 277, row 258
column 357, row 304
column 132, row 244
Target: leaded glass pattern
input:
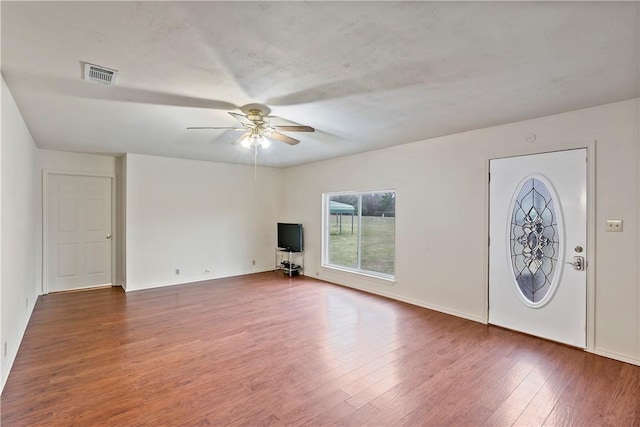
column 534, row 240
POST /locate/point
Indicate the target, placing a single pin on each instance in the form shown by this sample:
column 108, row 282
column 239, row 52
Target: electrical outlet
column 177, row 271
column 253, row 262
column 5, row 349
column 614, row 225
column 206, row 271
column 27, row 302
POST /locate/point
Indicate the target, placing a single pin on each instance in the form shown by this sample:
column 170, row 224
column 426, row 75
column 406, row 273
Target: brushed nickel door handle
column 578, row 263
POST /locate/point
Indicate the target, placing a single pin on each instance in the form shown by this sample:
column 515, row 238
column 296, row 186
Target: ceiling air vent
column 98, row 74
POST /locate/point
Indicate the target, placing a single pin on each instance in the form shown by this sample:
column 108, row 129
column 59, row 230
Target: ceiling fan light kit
column 255, row 139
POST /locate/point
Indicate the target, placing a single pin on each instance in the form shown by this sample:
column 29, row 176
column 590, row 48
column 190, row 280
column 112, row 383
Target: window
column 360, row 232
column 535, row 240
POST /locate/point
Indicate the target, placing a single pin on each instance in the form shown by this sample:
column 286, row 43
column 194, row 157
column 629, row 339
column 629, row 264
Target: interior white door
column 78, row 232
column 538, row 226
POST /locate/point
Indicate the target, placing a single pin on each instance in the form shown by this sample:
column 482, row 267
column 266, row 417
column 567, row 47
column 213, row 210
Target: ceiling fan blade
column 295, row 128
column 215, row 127
column 242, row 119
column 240, row 138
column 284, row 138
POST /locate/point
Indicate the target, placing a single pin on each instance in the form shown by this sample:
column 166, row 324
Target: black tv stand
column 288, row 266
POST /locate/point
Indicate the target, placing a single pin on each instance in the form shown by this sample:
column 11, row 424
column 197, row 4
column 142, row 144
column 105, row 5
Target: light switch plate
column 614, row 225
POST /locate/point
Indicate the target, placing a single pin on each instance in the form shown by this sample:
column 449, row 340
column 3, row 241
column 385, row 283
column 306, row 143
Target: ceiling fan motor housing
column 255, row 116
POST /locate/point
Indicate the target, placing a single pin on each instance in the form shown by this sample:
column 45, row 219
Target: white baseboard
column 617, row 356
column 197, row 279
column 411, row 301
column 14, row 351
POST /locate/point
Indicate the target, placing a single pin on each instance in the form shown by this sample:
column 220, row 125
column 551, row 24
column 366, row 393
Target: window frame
column 326, row 218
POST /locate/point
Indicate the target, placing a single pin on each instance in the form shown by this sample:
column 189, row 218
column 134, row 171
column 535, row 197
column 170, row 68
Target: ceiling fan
column 257, row 128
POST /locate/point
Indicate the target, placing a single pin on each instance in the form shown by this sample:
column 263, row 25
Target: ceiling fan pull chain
column 255, row 170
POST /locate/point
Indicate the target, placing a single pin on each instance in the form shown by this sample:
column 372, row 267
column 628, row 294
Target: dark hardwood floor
column 265, row 349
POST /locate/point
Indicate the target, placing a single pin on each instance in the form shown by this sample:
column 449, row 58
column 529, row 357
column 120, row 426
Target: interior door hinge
column 489, row 176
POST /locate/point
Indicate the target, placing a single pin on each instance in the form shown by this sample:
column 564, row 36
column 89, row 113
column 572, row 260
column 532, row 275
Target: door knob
column 108, row 236
column 578, row 263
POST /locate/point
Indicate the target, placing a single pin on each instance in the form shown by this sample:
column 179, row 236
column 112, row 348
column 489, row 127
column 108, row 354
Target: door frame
column 590, row 146
column 46, row 173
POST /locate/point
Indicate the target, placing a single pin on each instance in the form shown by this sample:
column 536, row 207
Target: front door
column 538, row 236
column 78, row 233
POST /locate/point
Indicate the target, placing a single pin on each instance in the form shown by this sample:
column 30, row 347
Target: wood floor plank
column 622, row 407
column 367, row 415
column 560, row 372
column 264, row 349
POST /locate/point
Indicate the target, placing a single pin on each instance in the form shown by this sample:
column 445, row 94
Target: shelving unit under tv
column 290, row 241
column 292, row 256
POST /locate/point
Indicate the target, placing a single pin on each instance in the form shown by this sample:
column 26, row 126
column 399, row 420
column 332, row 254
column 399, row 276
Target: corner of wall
column 18, row 227
column 11, row 357
column 2, row 373
column 121, row 216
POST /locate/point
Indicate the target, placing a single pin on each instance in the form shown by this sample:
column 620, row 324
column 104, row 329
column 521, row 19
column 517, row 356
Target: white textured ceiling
column 364, row 74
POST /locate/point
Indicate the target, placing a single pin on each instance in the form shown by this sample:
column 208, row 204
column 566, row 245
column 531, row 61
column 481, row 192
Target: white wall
column 197, row 216
column 18, row 283
column 2, row 369
column 442, row 214
column 120, row 233
column 62, row 161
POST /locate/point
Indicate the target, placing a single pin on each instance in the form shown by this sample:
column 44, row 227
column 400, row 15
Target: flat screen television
column 290, row 237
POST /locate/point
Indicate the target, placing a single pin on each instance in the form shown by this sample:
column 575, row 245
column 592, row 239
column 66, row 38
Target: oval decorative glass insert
column 534, row 240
